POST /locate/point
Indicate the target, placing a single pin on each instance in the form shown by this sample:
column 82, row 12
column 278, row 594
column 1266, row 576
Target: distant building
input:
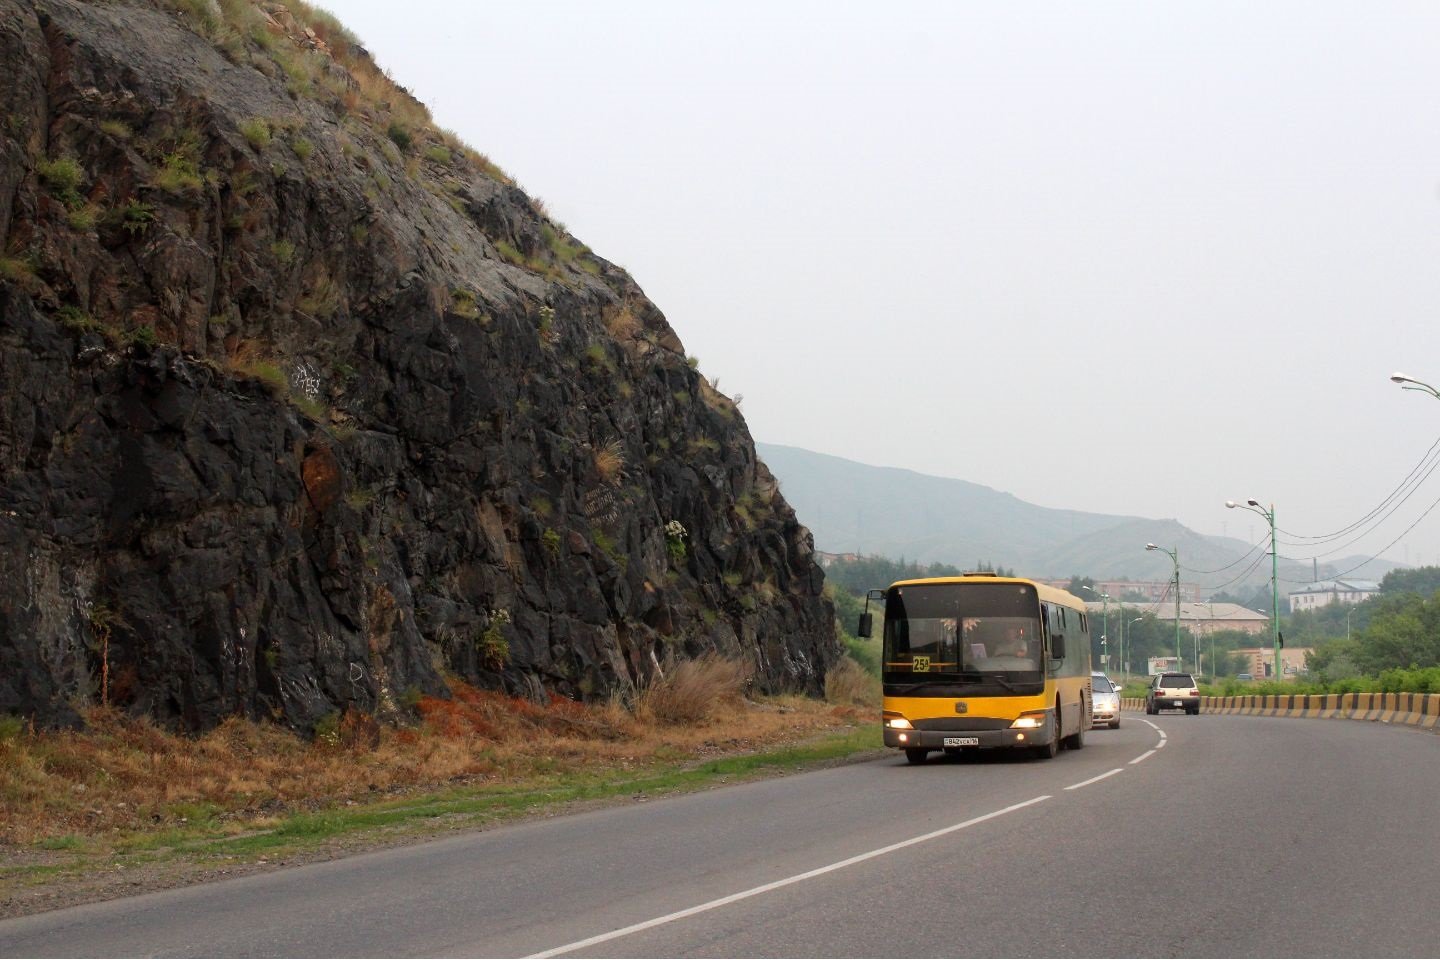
column 825, row 559
column 1202, row 619
column 1258, row 659
column 1325, row 592
column 1150, row 590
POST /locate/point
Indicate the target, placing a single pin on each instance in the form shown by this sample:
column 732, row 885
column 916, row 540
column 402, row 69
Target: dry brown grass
column 622, row 323
column 610, row 461
column 126, row 774
column 848, row 683
column 693, row 690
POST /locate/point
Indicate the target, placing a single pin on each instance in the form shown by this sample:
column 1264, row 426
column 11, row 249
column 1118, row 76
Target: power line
column 1432, row 454
column 1248, row 570
column 1257, row 545
column 1382, row 549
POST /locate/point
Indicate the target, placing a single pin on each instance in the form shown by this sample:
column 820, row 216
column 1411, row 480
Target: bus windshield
column 955, row 631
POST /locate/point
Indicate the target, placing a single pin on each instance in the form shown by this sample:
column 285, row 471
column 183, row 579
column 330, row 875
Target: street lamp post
column 1210, row 628
column 1104, row 619
column 1253, row 506
column 1175, row 559
column 1131, row 623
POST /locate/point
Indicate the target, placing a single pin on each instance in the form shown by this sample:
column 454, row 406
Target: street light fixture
column 1253, row 506
column 1410, row 383
column 1174, row 558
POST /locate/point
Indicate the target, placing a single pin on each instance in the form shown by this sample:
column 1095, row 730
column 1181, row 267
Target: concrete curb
column 1411, row 709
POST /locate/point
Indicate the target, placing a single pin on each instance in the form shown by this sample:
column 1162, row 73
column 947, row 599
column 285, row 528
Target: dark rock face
column 298, row 422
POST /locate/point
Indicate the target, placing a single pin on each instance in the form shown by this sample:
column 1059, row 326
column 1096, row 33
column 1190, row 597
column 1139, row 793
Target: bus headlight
column 898, row 723
column 1029, row 721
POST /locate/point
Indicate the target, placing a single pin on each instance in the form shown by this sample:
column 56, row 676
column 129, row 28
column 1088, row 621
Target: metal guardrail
column 1413, row 709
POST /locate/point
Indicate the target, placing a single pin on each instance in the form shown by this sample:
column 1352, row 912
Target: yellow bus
column 982, row 661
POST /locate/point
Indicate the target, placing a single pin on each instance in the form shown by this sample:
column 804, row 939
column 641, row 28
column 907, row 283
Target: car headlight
column 898, row 723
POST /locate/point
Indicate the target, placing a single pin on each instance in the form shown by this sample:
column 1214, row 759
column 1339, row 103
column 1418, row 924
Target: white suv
column 1172, row 691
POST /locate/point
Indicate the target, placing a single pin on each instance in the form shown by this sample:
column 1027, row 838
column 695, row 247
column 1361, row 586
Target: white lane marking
column 1158, row 746
column 777, row 884
column 1086, row 783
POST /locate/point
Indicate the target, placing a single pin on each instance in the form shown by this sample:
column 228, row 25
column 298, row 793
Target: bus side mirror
column 863, row 630
column 1057, row 646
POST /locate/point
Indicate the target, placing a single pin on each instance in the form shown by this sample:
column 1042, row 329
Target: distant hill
column 855, row 507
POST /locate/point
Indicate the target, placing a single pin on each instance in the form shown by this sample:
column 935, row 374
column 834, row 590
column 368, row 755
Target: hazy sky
column 1132, row 258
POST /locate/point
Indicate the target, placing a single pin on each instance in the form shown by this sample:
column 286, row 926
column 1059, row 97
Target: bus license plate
column 962, row 741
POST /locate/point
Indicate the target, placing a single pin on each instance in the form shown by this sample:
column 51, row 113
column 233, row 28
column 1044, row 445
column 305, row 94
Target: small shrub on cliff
column 549, row 336
column 463, row 304
column 550, row 539
column 439, row 154
column 399, row 136
column 83, row 218
column 284, row 250
column 73, row 318
column 63, row 176
column 322, row 299
column 609, row 461
column 118, row 129
column 494, row 647
column 144, row 336
column 675, row 534
column 179, row 174
column 256, row 132
column 16, row 269
column 303, row 148
column 136, row 217
column 508, row 253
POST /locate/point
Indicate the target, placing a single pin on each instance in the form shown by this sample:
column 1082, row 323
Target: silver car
column 1104, row 702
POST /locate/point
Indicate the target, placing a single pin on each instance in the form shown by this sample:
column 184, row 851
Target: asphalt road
column 1173, row 836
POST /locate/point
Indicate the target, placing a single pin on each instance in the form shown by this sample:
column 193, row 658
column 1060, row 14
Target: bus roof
column 1045, row 591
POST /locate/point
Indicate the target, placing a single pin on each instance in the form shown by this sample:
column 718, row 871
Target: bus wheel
column 916, row 754
column 1047, row 751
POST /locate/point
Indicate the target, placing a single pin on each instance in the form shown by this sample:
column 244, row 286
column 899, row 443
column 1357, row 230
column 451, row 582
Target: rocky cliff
column 305, row 406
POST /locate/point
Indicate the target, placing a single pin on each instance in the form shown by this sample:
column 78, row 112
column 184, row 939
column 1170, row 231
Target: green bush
column 399, row 136
column 63, row 176
column 178, row 174
column 864, row 652
column 256, row 132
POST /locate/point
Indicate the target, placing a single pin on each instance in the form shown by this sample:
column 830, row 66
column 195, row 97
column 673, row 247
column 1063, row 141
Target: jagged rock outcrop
column 303, row 405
